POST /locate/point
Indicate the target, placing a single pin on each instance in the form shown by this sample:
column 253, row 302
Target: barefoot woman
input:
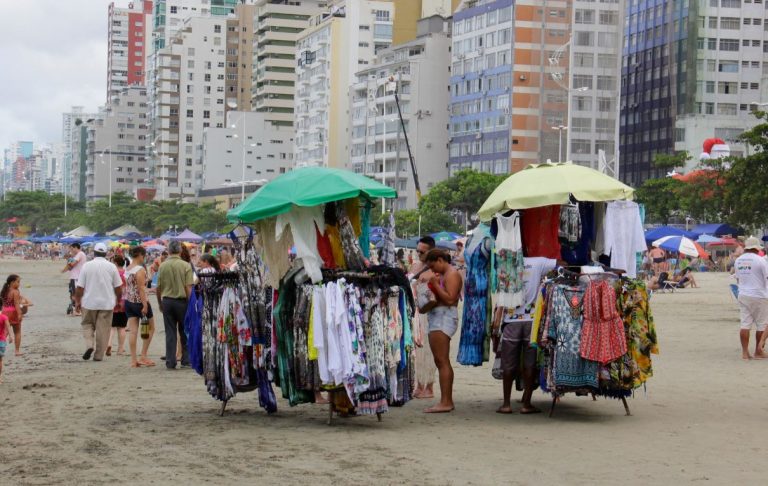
column 12, row 301
column 443, row 322
column 137, row 305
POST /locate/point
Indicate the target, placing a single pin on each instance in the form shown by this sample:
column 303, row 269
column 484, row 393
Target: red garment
column 603, row 338
column 325, row 249
column 539, row 231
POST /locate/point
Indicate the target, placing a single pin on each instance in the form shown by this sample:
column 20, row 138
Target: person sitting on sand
column 443, row 322
column 751, row 272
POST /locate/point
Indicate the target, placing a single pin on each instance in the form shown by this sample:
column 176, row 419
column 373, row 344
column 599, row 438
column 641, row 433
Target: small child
column 5, row 332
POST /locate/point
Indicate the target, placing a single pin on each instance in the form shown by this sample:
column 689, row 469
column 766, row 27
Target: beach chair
column 665, row 284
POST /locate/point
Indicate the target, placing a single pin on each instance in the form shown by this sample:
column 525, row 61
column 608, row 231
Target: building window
column 729, row 44
column 584, row 16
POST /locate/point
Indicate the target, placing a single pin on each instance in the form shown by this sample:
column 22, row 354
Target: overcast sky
column 53, row 55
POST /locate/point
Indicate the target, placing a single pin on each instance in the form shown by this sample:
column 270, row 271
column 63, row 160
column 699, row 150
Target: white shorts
column 754, row 310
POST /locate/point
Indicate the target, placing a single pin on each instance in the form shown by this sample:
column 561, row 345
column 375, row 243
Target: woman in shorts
column 137, row 306
column 443, row 322
column 119, row 318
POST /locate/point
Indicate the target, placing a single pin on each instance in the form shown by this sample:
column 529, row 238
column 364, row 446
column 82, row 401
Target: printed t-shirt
column 752, row 272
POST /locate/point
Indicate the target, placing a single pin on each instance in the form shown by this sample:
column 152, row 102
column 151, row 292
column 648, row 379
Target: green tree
column 671, row 161
column 661, row 198
column 746, row 178
column 466, row 192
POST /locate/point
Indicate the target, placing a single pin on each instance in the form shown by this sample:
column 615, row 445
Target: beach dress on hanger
column 475, row 315
column 509, row 262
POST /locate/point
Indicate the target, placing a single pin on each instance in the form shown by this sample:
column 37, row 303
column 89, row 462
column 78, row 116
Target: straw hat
column 753, row 243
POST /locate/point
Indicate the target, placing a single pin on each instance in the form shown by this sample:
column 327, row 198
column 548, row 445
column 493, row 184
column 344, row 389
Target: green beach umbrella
column 309, row 186
column 546, row 184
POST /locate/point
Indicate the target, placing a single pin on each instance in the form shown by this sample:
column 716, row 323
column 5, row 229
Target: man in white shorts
column 751, row 272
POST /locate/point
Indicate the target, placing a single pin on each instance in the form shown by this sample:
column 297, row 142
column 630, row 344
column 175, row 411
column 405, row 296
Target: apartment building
column 277, row 26
column 691, row 71
column 419, row 71
column 594, row 88
column 193, row 94
column 116, row 152
column 71, row 125
column 129, row 33
column 338, row 43
column 253, row 152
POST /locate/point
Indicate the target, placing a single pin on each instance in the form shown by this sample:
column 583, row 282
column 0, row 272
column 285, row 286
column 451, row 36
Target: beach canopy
column 125, row 230
column 445, row 236
column 682, row 245
column 80, row 232
column 706, row 240
column 552, row 183
column 309, row 186
column 654, row 234
column 187, row 235
column 716, row 229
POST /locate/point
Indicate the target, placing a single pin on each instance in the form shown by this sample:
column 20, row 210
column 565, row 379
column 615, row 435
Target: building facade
column 419, row 71
column 595, row 83
column 116, row 159
column 252, row 153
column 129, row 33
column 277, row 26
column 191, row 96
column 337, row 45
column 70, row 133
column 691, row 71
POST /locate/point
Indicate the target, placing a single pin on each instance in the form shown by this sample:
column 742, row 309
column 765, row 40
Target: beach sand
column 66, row 421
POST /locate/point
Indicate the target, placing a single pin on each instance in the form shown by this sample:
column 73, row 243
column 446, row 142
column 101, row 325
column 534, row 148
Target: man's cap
column 100, row 248
column 753, row 243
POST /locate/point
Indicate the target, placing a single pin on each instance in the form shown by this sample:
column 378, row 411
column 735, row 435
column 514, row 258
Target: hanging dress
column 509, row 262
column 193, row 328
column 475, row 316
column 602, row 337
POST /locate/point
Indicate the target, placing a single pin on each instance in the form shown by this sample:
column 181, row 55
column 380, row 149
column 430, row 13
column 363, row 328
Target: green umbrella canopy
column 309, row 186
column 546, row 184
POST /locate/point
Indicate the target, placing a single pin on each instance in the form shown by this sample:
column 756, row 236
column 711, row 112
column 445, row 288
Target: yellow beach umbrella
column 546, row 184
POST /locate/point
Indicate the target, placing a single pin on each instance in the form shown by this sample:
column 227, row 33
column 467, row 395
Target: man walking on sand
column 174, row 285
column 74, row 265
column 751, row 272
column 98, row 288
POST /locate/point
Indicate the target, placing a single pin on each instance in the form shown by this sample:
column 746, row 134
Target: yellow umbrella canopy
column 553, row 183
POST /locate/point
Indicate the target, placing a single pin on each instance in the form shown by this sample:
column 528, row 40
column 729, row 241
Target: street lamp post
column 242, row 118
column 101, row 156
column 560, row 129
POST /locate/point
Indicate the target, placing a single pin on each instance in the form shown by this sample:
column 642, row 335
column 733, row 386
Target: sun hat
column 753, row 243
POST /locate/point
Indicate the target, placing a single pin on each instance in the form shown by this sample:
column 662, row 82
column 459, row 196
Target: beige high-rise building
column 277, row 25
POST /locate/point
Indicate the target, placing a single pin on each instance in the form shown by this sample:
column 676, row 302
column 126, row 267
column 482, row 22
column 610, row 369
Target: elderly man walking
column 174, row 285
column 751, row 271
column 98, row 287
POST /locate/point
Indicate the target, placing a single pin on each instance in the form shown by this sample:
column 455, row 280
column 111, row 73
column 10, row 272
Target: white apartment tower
column 129, row 33
column 338, row 44
column 594, row 88
column 419, row 71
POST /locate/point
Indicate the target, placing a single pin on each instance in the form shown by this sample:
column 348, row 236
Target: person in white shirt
column 98, row 288
column 751, row 272
column 74, row 266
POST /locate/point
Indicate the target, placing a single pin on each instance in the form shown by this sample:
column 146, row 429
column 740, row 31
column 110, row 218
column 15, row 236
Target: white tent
column 80, row 232
column 124, row 230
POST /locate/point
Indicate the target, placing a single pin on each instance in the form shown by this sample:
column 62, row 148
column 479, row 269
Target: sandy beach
column 66, row 421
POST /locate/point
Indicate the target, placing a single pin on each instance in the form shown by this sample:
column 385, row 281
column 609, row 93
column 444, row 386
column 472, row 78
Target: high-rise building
column 691, row 71
column 419, row 71
column 408, row 13
column 191, row 95
column 129, row 35
column 277, row 25
column 337, row 45
column 70, row 133
column 253, row 152
column 594, row 88
column 117, row 147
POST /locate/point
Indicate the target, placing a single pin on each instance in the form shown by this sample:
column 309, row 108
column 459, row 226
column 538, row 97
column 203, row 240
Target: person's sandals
column 87, row 354
column 109, row 351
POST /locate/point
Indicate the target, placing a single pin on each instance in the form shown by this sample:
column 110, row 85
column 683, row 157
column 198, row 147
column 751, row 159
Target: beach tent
column 707, row 240
column 187, row 235
column 125, row 230
column 716, row 229
column 80, row 232
column 654, row 234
